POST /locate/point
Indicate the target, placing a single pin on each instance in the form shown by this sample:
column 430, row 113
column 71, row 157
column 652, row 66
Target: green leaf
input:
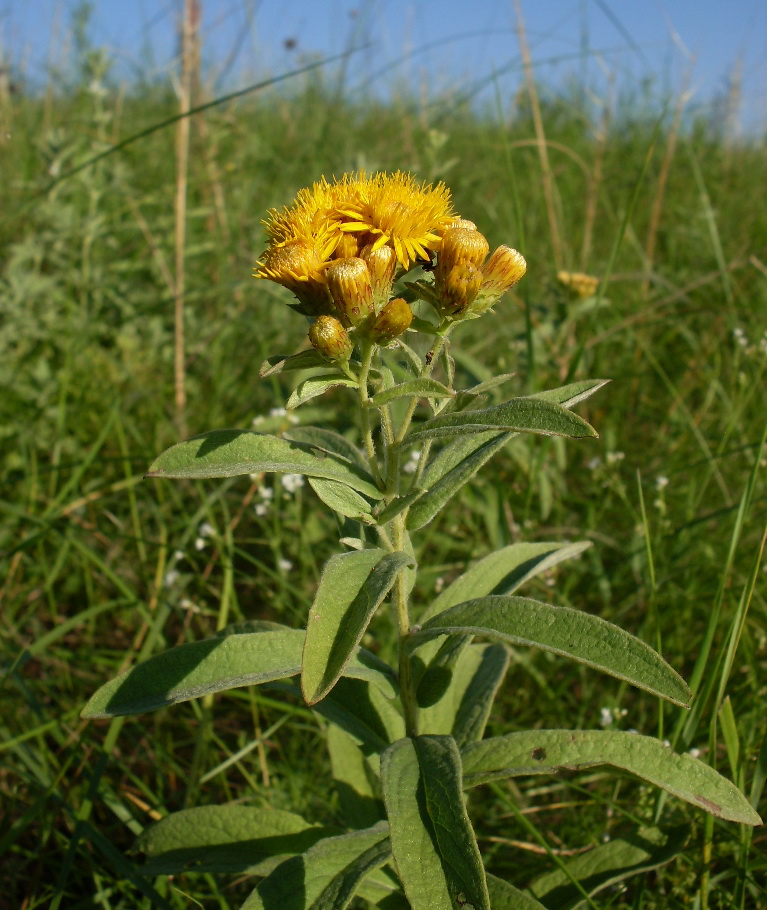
column 233, row 838
column 504, row 896
column 522, row 415
column 351, row 589
column 282, row 363
column 503, row 572
column 215, row 665
column 449, row 470
column 573, row 393
column 469, row 688
column 413, row 388
column 316, row 386
column 321, row 440
column 326, row 876
column 547, row 751
column 431, row 836
column 572, row 633
column 342, row 499
column 608, row 864
column 353, row 780
column 397, row 505
column 228, row 453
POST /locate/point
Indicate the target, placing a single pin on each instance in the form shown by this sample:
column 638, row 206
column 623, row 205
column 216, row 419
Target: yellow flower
column 578, row 283
column 399, row 212
column 299, row 265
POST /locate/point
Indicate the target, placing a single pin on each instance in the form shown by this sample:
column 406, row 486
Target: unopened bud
column 460, row 223
column 381, row 263
column 460, row 244
column 347, row 247
column 331, row 339
column 503, row 270
column 393, row 320
column 351, row 289
column 459, row 289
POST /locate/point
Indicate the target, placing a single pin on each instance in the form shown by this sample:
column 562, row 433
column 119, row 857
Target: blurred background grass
column 99, row 566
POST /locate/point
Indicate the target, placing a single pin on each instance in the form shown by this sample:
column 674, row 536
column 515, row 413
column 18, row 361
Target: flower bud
column 347, row 247
column 393, row 320
column 460, row 288
column 381, row 263
column 460, row 244
column 503, row 270
column 298, row 266
column 351, row 289
column 331, row 339
column 578, row 283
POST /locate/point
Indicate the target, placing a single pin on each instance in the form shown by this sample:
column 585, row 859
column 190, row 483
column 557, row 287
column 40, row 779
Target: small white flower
column 695, row 753
column 740, row 337
column 615, row 457
column 206, row 529
column 439, row 584
column 284, row 565
column 171, row 577
column 266, row 493
column 661, row 482
column 292, row 482
column 261, row 509
column 178, row 554
column 199, row 544
column 278, row 412
column 605, row 717
column 258, row 420
column 593, row 463
column 411, row 465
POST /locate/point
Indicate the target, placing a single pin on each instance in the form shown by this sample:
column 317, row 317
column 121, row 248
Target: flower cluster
column 339, row 247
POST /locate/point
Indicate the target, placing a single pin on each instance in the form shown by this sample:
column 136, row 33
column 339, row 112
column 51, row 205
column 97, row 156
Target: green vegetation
column 97, row 562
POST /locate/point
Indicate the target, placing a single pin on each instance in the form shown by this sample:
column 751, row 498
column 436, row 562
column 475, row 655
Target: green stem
column 407, row 689
column 426, row 371
column 366, row 354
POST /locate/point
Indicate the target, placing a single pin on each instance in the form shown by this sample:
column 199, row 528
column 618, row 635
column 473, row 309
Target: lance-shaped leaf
column 413, row 388
column 353, row 779
column 321, row 440
column 521, row 415
column 467, row 693
column 351, row 588
column 431, row 836
column 283, row 363
column 228, row 453
column 234, row 839
column 607, row 865
column 449, row 470
column 215, row 665
column 503, row 572
column 326, row 876
column 316, row 386
column 342, row 499
column 571, row 394
column 580, row 636
column 504, row 896
column 547, row 751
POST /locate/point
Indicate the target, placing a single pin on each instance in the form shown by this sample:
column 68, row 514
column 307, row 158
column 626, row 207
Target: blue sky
column 430, row 45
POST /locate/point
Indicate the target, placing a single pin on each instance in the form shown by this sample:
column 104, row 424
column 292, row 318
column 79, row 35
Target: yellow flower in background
column 579, row 284
column 396, row 210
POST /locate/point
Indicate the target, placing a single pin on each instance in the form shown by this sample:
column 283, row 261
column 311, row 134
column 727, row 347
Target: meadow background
column 115, row 215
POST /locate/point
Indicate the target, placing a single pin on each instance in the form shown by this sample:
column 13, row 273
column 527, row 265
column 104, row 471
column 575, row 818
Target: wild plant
column 387, row 273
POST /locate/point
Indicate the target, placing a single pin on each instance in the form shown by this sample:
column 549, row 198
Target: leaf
column 449, row 470
column 547, row 751
column 215, row 665
column 396, row 506
column 228, row 453
column 469, row 689
column 608, row 864
column 431, row 836
column 504, row 896
column 322, row 440
column 282, row 363
column 342, row 499
column 351, row 588
column 523, row 415
column 413, row 388
column 504, row 572
column 316, row 386
column 573, row 393
column 572, row 633
column 231, row 838
column 325, row 876
column 353, row 780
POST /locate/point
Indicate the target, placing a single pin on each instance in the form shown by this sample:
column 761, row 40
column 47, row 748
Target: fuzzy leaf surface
column 321, row 440
column 353, row 780
column 215, row 665
column 431, row 836
column 413, row 388
column 229, row 838
column 351, row 588
column 609, row 864
column 546, row 751
column 503, row 572
column 342, row 499
column 325, row 876
column 316, row 386
column 521, row 415
column 504, row 896
column 581, row 636
column 228, row 453
column 283, row 363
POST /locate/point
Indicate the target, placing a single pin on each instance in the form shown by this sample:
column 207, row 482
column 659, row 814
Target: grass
column 100, row 567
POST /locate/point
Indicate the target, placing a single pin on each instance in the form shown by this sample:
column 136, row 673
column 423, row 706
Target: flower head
column 395, row 210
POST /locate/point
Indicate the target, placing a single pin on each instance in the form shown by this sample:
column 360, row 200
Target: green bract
column 405, row 731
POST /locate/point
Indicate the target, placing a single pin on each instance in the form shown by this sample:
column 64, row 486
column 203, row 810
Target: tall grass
column 100, row 567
